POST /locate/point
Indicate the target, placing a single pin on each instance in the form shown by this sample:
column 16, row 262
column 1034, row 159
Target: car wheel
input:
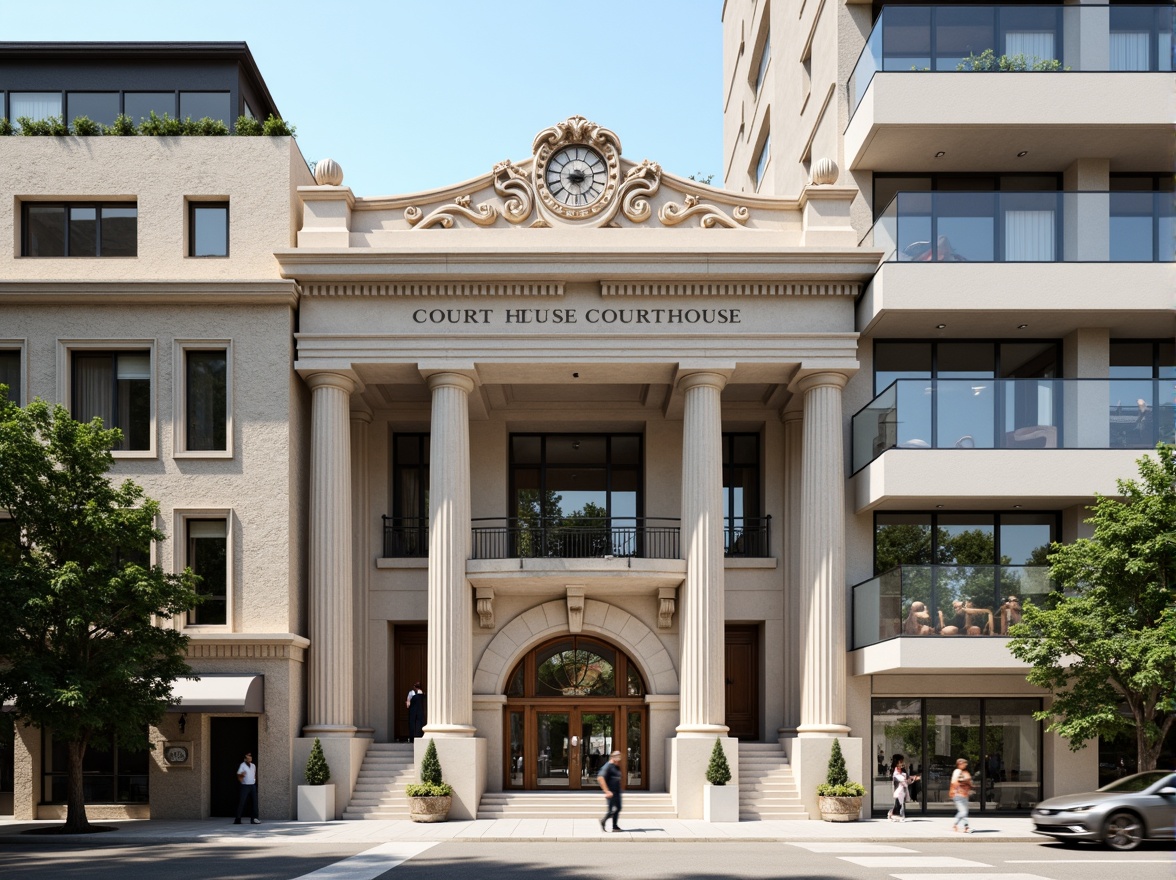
column 1123, row 832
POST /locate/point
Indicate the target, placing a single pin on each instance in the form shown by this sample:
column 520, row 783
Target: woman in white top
column 902, row 790
column 959, row 790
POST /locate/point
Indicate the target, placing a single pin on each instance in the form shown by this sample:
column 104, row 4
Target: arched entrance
column 570, row 702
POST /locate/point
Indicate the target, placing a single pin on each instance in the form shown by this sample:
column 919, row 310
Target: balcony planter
column 839, row 809
column 429, row 809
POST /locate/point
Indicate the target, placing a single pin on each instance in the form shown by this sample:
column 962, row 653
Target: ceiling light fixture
column 1022, row 326
column 940, row 326
column 1022, row 154
column 1017, row 507
column 940, row 154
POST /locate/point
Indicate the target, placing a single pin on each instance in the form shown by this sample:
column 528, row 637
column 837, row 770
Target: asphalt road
column 969, row 859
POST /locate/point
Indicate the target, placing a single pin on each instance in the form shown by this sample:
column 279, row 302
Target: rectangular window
column 114, row 387
column 764, row 58
column 140, row 105
column 206, row 400
column 406, row 533
column 761, row 162
column 99, row 106
column 745, row 530
column 198, row 105
column 35, row 105
column 206, row 545
column 80, row 230
column 111, row 774
column 208, row 229
column 10, row 373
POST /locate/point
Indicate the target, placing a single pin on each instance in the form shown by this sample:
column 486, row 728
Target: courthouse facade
column 603, row 457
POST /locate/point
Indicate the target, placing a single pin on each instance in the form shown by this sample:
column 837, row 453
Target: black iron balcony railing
column 1014, row 38
column 1027, row 227
column 576, row 537
column 747, row 536
column 1015, row 414
column 945, row 600
column 406, row 537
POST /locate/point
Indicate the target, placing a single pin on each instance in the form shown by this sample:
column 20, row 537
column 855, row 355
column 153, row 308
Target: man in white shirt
column 247, row 777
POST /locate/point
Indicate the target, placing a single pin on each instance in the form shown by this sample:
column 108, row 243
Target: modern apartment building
column 607, row 458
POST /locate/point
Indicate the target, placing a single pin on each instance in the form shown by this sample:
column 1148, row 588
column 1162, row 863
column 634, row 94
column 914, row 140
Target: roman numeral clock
column 577, row 171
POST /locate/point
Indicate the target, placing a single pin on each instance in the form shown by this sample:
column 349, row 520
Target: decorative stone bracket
column 485, row 603
column 667, row 601
column 575, row 608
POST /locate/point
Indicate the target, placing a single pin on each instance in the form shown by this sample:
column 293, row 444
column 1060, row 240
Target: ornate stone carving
column 824, row 172
column 512, row 183
column 641, row 181
column 484, row 596
column 327, row 172
column 482, row 215
column 575, row 609
column 709, row 216
column 667, row 601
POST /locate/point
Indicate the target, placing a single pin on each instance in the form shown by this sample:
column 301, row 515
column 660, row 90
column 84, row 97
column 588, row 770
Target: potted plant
column 720, row 802
column 430, row 799
column 316, row 799
column 838, row 799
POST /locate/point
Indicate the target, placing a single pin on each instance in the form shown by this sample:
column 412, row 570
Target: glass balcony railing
column 1027, row 227
column 945, row 600
column 1015, row 414
column 1010, row 38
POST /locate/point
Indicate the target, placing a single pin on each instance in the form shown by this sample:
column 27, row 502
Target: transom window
column 576, row 666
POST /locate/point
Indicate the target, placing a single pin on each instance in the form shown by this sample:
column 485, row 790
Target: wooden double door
column 560, row 746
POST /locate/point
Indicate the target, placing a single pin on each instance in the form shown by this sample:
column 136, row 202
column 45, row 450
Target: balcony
column 577, row 538
column 919, row 69
column 975, row 414
column 944, row 601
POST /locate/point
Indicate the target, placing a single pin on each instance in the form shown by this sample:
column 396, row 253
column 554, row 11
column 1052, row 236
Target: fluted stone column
column 331, row 660
column 703, row 696
column 450, row 650
column 793, row 516
column 361, row 419
column 822, row 564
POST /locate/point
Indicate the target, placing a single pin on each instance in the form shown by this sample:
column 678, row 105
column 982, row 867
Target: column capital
column 792, row 415
column 452, row 379
column 332, row 379
column 361, row 412
column 825, row 378
column 710, row 378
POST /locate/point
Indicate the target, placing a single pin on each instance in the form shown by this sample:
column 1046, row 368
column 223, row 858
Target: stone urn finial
column 824, row 172
column 328, row 173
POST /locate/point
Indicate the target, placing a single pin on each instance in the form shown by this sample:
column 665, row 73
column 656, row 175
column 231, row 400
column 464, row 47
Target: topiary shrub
column 431, row 784
column 837, row 782
column 718, row 772
column 317, row 770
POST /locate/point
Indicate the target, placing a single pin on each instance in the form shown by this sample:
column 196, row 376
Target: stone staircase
column 379, row 791
column 572, row 805
column 767, row 789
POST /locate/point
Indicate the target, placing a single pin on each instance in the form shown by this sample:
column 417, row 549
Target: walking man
column 609, row 778
column 247, row 777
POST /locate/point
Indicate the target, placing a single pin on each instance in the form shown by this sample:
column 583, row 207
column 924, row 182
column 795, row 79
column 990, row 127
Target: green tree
column 717, row 771
column 80, row 654
column 1110, row 638
column 318, row 771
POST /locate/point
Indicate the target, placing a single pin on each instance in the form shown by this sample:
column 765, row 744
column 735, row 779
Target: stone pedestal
column 463, row 766
column 689, row 758
column 809, row 758
column 344, row 755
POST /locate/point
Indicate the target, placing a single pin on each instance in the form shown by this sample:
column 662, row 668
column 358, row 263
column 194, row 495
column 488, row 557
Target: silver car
column 1121, row 815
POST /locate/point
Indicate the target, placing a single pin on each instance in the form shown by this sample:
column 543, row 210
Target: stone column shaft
column 703, row 692
column 331, row 659
column 450, row 649
column 793, row 516
column 361, row 557
column 822, row 565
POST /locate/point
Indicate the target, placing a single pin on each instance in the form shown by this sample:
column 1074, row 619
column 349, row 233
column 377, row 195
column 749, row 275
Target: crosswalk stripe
column 847, row 848
column 370, row 863
column 915, row 861
column 955, row 875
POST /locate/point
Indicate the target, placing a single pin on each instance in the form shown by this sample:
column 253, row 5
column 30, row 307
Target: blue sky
column 414, row 94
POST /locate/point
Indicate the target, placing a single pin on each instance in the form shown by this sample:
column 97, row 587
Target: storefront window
column 110, row 774
column 999, row 737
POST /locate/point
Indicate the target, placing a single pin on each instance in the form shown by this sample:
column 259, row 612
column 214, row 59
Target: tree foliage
column 80, row 652
column 1110, row 637
column 717, row 771
column 318, row 771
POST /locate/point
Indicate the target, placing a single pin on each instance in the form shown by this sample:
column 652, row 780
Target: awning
column 220, row 693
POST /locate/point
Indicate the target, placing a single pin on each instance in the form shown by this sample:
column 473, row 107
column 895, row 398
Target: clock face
column 576, row 176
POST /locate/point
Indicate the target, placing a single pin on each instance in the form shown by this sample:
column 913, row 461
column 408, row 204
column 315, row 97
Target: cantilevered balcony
column 948, row 601
column 913, row 415
column 924, row 67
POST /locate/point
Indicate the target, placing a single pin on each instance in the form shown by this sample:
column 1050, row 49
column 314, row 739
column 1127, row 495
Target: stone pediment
column 576, row 177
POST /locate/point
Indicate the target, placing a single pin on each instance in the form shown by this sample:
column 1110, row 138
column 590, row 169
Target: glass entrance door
column 554, row 757
column 596, row 744
column 559, row 749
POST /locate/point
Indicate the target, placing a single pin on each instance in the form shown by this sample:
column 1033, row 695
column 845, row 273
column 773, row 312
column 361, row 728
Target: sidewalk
column 529, row 830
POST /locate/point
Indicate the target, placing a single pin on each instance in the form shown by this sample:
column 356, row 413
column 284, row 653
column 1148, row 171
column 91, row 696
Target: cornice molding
column 259, row 646
column 726, row 288
column 438, row 288
column 234, row 292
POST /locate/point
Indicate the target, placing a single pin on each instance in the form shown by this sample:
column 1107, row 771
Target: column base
column 809, row 758
column 695, row 730
column 448, row 730
column 822, row 730
column 342, row 730
column 689, row 758
column 343, row 755
column 463, row 766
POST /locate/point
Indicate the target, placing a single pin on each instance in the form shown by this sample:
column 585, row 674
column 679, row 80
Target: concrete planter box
column 840, row 809
column 429, row 809
column 720, row 803
column 316, row 803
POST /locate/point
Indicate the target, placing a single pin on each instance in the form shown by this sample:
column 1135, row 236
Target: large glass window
column 1143, row 409
column 206, row 544
column 198, row 105
column 115, row 387
column 140, row 105
column 111, row 774
column 999, row 737
column 80, row 230
column 98, row 106
column 35, row 105
column 205, row 400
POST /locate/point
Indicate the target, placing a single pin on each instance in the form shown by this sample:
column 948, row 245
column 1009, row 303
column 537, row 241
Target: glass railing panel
column 1030, row 411
column 964, row 413
column 875, row 428
column 1015, row 38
